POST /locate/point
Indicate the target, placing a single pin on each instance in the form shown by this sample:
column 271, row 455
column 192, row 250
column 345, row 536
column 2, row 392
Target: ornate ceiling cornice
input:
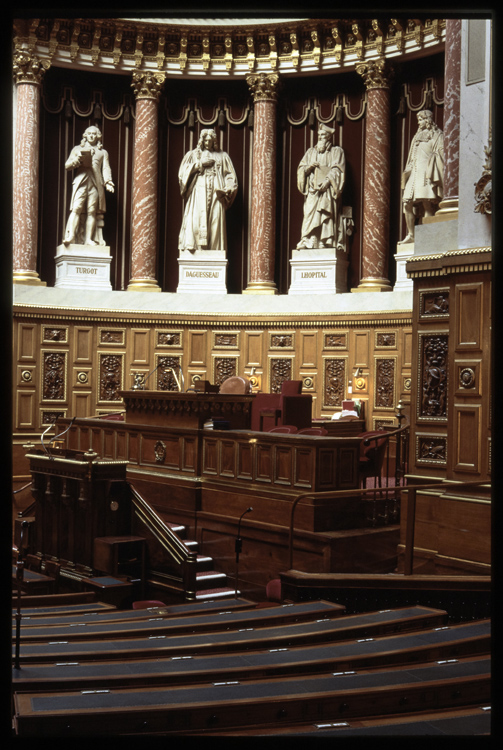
column 228, row 49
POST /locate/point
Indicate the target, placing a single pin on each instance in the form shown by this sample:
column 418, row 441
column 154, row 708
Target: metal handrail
column 411, row 511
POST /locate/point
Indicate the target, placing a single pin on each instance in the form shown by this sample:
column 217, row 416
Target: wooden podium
column 187, row 410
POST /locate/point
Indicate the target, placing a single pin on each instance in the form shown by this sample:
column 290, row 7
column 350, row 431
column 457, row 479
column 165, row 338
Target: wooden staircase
column 210, row 583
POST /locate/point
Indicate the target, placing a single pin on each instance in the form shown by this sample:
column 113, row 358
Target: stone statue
column 320, row 177
column 423, row 177
column 209, row 185
column 92, row 177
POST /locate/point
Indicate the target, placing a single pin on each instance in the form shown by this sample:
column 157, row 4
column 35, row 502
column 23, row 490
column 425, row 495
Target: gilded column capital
column 147, row 85
column 28, row 68
column 376, row 74
column 263, row 86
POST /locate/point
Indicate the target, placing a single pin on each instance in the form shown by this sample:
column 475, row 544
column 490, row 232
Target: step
column 222, row 593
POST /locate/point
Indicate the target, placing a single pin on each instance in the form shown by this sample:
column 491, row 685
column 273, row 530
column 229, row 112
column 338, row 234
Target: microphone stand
column 238, row 546
column 19, row 580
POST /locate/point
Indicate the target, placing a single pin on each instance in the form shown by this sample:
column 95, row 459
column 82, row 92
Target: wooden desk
column 32, row 582
column 109, row 589
column 192, row 410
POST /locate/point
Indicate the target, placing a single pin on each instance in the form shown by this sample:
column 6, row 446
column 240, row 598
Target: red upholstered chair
column 291, row 387
column 372, row 455
column 273, row 590
column 148, row 604
column 313, row 431
column 288, row 428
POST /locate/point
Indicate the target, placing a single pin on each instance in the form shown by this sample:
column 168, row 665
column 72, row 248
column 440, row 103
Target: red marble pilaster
column 263, row 218
column 449, row 203
column 376, row 184
column 28, row 73
column 147, row 88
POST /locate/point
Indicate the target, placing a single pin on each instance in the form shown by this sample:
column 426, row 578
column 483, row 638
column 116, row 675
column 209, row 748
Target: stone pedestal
column 83, row 267
column 320, row 271
column 202, row 271
column 403, row 254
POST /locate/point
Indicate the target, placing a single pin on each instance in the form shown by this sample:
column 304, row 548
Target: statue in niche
column 423, row 177
column 92, row 177
column 209, row 184
column 320, row 177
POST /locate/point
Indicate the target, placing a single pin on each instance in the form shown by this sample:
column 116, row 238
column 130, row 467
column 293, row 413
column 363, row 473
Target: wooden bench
column 370, row 624
column 171, row 711
column 468, row 639
column 158, row 624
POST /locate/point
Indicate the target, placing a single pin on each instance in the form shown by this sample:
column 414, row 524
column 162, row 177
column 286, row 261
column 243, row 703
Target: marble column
column 264, row 88
column 452, row 86
column 147, row 88
column 376, row 184
column 28, row 75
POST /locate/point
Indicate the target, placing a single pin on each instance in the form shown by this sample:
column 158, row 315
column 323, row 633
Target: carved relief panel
column 433, row 376
column 54, row 376
column 384, row 389
column 280, row 369
column 334, row 381
column 431, row 450
column 111, row 374
column 434, row 304
column 166, row 380
column 223, row 368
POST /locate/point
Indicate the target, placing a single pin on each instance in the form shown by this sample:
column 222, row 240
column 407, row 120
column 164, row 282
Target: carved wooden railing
column 178, row 554
column 411, row 512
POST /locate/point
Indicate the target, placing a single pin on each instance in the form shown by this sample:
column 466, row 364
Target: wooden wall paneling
column 140, row 347
column 253, row 354
column 26, row 404
column 361, row 349
column 308, row 348
column 467, row 434
column 197, row 350
column 54, row 334
column 53, row 371
column 224, row 367
column 469, row 316
column 27, row 342
column 83, row 344
column 283, row 463
column 82, row 404
column 280, row 369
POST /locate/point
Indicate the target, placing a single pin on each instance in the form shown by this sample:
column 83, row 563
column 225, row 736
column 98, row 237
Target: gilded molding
column 237, row 48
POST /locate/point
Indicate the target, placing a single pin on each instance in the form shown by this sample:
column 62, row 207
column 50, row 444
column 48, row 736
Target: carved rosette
column 376, row 74
column 263, row 86
column 27, row 68
column 147, row 85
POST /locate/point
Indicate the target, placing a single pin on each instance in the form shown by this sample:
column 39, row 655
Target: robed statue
column 209, row 184
column 320, row 177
